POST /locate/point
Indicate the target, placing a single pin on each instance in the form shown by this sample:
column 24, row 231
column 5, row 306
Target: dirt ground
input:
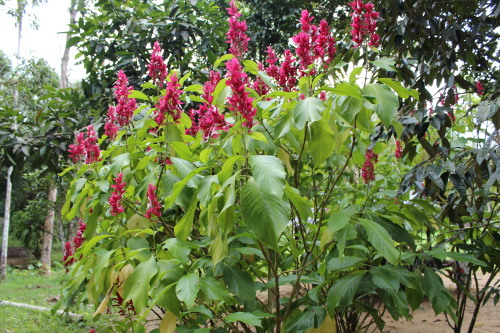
column 425, row 321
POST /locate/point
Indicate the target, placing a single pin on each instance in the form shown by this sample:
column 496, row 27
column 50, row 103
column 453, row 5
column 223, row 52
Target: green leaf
column 399, row 89
column 381, row 240
column 218, row 250
column 225, row 57
column 438, row 295
column 342, row 293
column 239, row 282
column 119, row 162
column 269, row 173
column 258, row 136
column 136, row 287
column 178, row 248
column 183, row 228
column 182, row 150
column 169, row 201
column 346, row 89
column 388, row 102
column 385, row 278
column 138, row 95
column 213, row 289
column 385, row 63
column 244, row 317
column 339, row 220
column 441, row 254
column 307, row 110
column 265, row 214
column 322, row 142
column 187, row 289
column 344, row 263
column 301, row 204
column 355, row 72
column 227, row 168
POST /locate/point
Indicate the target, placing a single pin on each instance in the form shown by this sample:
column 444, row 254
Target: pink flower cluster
column 399, row 150
column 480, row 88
column 117, row 195
column 154, row 207
column 286, row 74
column 364, row 23
column 86, row 148
column 313, row 43
column 121, row 114
column 70, row 249
column 236, row 36
column 157, row 69
column 170, row 103
column 239, row 103
column 207, row 118
column 368, row 170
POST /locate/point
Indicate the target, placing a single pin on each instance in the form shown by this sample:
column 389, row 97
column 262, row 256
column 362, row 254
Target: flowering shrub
column 210, row 199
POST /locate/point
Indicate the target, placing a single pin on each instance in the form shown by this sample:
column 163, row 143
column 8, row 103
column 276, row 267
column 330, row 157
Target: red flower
column 207, row 118
column 399, row 149
column 70, row 249
column 272, row 69
column 154, row 207
column 236, row 36
column 170, row 103
column 368, row 170
column 287, row 72
column 157, row 68
column 364, row 23
column 86, row 148
column 480, row 88
column 126, row 106
column 116, row 196
column 240, row 103
column 110, row 127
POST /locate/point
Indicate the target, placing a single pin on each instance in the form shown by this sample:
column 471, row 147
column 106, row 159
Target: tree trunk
column 21, row 8
column 63, row 81
column 5, row 235
column 47, row 232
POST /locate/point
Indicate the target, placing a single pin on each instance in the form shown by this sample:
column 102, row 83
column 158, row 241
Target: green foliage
column 250, row 212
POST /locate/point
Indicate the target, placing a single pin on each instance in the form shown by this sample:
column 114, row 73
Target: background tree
column 113, row 35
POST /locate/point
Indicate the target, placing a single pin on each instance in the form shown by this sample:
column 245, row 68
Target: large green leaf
column 218, row 250
column 213, row 289
column 187, row 289
column 441, row 254
column 301, row 204
column 239, row 282
column 322, row 142
column 244, row 317
column 183, row 228
column 388, row 102
column 269, row 173
column 399, row 89
column 178, row 249
column 344, row 263
column 342, row 293
column 265, row 214
column 435, row 290
column 385, row 278
column 307, row 110
column 136, row 286
column 381, row 240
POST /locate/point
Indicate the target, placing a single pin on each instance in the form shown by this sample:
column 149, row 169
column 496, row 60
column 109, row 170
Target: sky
column 47, row 42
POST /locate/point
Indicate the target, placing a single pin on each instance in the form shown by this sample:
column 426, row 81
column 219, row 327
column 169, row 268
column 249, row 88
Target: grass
column 27, row 286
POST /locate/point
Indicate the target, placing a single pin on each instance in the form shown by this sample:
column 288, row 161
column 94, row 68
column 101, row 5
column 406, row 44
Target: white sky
column 47, row 42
